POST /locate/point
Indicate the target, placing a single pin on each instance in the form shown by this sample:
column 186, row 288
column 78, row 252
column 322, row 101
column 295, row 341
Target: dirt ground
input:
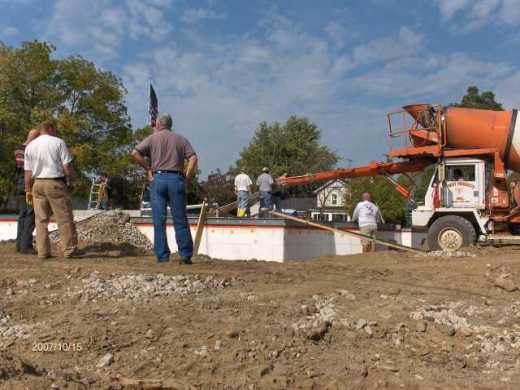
column 382, row 321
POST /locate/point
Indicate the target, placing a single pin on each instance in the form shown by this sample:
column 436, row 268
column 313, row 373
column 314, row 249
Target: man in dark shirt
column 168, row 183
column 26, row 223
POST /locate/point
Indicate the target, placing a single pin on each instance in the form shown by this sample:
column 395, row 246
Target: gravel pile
column 11, row 331
column 140, row 287
column 440, row 314
column 111, row 227
column 439, row 253
column 319, row 314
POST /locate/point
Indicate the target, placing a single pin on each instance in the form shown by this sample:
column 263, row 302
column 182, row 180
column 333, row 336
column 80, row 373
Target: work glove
column 29, row 199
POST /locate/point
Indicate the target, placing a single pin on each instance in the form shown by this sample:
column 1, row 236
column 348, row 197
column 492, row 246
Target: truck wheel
column 450, row 233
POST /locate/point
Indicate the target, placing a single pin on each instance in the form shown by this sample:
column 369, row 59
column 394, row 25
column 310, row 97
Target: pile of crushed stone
column 140, row 287
column 110, row 230
column 440, row 253
column 441, row 314
column 11, row 331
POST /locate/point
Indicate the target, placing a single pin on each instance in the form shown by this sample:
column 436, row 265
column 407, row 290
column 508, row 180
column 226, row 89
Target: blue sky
column 221, row 67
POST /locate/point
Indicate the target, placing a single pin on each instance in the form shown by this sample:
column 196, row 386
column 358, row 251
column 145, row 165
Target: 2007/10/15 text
column 57, row 347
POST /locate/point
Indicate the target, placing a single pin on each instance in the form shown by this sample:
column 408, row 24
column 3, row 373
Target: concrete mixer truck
column 468, row 197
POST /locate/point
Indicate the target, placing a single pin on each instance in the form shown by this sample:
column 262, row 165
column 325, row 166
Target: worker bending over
column 169, row 181
column 48, row 164
column 243, row 185
column 367, row 215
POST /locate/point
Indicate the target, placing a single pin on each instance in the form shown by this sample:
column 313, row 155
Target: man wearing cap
column 169, row 180
column 48, row 164
column 26, row 224
column 243, row 185
column 264, row 183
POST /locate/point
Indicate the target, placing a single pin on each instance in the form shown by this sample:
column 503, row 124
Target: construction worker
column 103, row 198
column 169, row 180
column 265, row 183
column 25, row 226
column 243, row 185
column 367, row 215
column 48, row 170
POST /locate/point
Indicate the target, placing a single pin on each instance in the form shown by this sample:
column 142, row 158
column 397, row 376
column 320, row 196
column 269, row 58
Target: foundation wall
column 257, row 239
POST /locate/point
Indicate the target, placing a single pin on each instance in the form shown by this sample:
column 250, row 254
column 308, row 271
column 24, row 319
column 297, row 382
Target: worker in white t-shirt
column 367, row 215
column 243, row 185
column 48, row 170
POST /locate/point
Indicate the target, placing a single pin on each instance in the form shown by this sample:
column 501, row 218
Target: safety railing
column 404, row 125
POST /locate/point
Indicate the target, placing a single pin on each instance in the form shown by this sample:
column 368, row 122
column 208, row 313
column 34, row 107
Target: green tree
column 390, row 203
column 293, row 148
column 219, row 188
column 475, row 99
column 86, row 102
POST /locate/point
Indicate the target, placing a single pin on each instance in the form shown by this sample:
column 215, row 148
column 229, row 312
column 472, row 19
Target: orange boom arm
column 372, row 169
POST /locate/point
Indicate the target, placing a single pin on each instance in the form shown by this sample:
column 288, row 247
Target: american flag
column 153, row 107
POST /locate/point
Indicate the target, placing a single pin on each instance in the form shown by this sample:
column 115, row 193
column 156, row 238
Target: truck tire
column 450, row 233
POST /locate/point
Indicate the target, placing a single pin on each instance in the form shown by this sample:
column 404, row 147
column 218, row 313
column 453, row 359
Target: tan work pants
column 368, row 244
column 51, row 197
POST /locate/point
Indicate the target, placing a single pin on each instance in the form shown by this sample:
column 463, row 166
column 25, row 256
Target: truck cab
column 454, row 210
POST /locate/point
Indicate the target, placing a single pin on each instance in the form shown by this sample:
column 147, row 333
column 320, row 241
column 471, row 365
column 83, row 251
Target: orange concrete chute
column 422, row 113
column 471, row 128
column 372, row 169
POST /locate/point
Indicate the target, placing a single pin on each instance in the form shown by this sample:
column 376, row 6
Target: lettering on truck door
column 461, row 185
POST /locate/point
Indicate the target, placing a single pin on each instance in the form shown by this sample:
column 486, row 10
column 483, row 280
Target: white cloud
column 388, row 48
column 449, row 8
column 477, row 13
column 444, row 75
column 196, row 15
column 8, row 31
column 510, row 12
column 337, row 33
column 507, row 91
column 99, row 27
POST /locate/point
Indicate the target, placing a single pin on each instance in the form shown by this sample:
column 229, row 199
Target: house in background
column 325, row 204
column 330, row 202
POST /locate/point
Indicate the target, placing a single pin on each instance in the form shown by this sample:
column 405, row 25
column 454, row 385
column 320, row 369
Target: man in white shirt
column 265, row 183
column 48, row 168
column 243, row 185
column 368, row 215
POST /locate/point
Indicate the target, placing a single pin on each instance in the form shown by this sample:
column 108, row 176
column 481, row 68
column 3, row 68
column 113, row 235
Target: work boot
column 75, row 255
column 28, row 251
column 185, row 260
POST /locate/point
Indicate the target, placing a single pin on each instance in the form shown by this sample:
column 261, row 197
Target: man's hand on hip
column 149, row 174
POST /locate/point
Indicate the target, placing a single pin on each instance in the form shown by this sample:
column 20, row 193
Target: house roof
column 330, row 183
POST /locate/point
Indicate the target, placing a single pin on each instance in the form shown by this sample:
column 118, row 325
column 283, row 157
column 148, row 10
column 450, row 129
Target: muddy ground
column 382, row 321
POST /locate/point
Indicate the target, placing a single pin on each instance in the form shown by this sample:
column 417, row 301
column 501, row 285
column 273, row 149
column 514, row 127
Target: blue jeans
column 266, row 200
column 170, row 189
column 26, row 224
column 243, row 199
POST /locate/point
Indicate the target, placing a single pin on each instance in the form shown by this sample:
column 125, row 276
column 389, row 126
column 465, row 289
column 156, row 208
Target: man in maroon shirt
column 169, row 179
